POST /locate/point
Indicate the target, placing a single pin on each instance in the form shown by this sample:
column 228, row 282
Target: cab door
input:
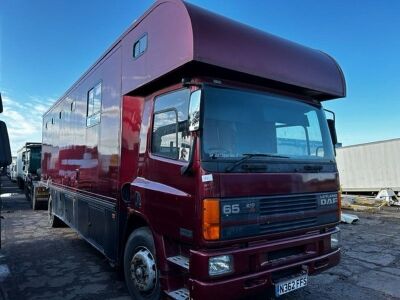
column 169, row 196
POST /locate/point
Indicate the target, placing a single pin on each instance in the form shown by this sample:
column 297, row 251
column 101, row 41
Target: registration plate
column 289, row 285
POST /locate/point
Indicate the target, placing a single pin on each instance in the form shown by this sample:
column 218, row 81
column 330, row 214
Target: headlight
column 219, row 265
column 335, row 239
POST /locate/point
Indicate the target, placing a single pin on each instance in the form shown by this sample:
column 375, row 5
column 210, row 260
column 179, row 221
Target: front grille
column 287, row 204
column 287, row 225
column 275, row 214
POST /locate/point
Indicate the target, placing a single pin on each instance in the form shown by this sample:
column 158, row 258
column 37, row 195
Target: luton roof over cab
column 177, row 33
column 232, row 45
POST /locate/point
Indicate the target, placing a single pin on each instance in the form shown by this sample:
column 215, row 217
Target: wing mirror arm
column 187, row 169
column 332, row 129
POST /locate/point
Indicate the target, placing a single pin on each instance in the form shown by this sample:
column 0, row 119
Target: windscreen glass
column 238, row 122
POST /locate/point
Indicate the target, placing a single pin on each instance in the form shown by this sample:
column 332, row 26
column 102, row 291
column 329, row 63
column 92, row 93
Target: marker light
column 211, row 219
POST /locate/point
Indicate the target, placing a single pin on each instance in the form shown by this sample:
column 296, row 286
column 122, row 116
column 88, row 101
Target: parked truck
column 28, row 165
column 370, row 167
column 196, row 156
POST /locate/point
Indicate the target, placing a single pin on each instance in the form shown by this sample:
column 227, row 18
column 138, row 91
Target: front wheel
column 140, row 267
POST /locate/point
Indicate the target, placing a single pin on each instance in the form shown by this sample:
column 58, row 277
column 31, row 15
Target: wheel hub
column 143, row 270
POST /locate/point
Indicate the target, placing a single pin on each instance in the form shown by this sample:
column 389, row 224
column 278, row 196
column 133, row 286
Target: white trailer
column 13, row 172
column 369, row 167
column 20, row 173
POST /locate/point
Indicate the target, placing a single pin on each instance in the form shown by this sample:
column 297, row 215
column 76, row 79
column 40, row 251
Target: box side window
column 93, row 106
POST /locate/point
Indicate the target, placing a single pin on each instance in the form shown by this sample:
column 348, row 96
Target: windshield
column 238, row 123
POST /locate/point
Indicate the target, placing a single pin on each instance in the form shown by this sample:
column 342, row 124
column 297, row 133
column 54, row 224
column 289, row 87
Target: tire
column 139, row 261
column 54, row 221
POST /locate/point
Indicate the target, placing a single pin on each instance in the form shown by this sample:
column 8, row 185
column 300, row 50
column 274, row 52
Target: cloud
column 24, row 119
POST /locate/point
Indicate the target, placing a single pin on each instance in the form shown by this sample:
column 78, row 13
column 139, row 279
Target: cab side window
column 170, row 135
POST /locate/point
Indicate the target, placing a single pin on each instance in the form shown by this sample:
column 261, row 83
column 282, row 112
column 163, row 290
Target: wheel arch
column 136, row 221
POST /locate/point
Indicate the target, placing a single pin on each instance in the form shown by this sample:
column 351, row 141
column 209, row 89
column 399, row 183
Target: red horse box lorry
column 196, row 156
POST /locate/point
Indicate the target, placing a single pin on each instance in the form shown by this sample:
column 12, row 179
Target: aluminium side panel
column 81, row 155
column 370, row 167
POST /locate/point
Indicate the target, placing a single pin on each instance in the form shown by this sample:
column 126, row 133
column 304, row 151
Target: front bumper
column 254, row 272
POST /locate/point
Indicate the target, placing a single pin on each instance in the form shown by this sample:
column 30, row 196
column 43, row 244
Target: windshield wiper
column 247, row 156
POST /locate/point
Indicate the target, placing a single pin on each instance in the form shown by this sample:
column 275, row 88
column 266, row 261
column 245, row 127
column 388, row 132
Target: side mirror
column 194, row 111
column 332, row 127
column 332, row 130
column 194, row 125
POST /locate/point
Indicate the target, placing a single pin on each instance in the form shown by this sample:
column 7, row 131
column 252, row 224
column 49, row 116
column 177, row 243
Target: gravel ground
column 37, row 262
column 50, row 263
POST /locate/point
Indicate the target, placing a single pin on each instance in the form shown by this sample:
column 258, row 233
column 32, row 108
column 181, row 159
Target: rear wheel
column 54, row 221
column 140, row 267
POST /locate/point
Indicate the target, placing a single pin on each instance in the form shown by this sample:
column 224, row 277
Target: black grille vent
column 287, row 225
column 282, row 205
column 287, row 204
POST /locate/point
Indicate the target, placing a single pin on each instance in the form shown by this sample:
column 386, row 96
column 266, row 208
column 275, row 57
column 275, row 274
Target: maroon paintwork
column 194, row 35
column 199, row 35
column 100, row 160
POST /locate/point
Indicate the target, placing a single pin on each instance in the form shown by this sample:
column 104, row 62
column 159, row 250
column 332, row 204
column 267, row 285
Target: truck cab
column 28, row 166
column 250, row 174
